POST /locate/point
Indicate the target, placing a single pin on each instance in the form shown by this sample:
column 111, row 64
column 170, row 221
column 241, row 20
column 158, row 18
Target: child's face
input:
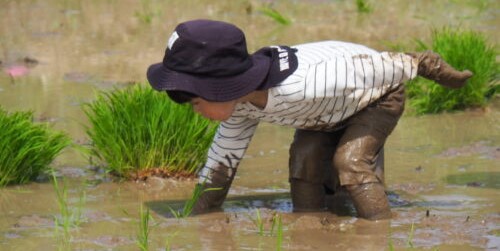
column 219, row 111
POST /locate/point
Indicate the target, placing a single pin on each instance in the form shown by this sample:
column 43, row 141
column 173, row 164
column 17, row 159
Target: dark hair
column 180, row 97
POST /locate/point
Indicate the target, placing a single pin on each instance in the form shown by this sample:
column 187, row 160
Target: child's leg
column 358, row 152
column 310, row 167
column 433, row 67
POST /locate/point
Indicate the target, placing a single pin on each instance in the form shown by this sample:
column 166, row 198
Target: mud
column 481, row 148
column 441, row 171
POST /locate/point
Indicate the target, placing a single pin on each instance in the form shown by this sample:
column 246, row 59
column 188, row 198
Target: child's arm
column 228, row 147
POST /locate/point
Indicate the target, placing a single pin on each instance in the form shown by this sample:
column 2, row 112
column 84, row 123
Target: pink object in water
column 16, row 70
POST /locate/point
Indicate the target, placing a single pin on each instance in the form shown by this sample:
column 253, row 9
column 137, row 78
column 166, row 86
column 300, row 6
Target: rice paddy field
column 442, row 170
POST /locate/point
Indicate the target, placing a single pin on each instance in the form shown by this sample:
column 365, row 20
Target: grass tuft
column 275, row 15
column 362, row 6
column 463, row 50
column 26, row 148
column 137, row 129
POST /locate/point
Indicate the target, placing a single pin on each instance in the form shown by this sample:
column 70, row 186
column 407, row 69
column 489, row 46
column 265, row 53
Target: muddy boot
column 307, row 197
column 433, row 67
column 370, row 201
column 221, row 180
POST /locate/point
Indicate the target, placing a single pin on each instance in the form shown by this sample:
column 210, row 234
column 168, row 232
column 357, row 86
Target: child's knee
column 356, row 169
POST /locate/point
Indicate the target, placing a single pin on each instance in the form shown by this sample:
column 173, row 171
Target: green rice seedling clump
column 137, row 129
column 463, row 50
column 26, row 148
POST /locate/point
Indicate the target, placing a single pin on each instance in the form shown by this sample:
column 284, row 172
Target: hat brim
column 216, row 89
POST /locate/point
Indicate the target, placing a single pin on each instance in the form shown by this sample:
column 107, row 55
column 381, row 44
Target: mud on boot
column 370, row 201
column 307, row 197
column 432, row 66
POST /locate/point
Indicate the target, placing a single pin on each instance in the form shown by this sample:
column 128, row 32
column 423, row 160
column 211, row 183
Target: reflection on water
column 441, row 170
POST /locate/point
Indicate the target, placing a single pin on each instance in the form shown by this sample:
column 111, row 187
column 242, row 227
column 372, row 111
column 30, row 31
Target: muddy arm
column 215, row 191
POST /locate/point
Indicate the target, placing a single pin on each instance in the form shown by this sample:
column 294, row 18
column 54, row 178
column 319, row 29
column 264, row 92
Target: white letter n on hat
column 172, row 39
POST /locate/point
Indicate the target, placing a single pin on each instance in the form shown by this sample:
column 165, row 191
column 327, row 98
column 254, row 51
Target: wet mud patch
column 111, row 241
column 413, row 188
column 481, row 148
column 475, row 179
column 34, row 221
column 438, row 229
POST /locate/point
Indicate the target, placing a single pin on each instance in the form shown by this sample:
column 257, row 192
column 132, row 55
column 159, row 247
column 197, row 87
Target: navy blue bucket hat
column 208, row 59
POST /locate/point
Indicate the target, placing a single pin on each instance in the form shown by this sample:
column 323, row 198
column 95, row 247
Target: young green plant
column 276, row 224
column 258, row 222
column 362, row 6
column 144, row 229
column 69, row 218
column 147, row 12
column 410, row 235
column 26, row 148
column 275, row 15
column 279, row 232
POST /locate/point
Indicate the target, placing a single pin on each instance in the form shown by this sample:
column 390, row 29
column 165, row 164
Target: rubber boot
column 370, row 201
column 307, row 197
column 433, row 67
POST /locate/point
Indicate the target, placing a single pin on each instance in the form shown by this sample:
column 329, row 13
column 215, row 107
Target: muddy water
column 442, row 170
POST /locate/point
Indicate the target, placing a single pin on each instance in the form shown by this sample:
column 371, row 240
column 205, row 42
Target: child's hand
column 214, row 193
column 210, row 199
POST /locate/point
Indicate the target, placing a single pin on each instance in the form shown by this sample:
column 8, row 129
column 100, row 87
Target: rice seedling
column 391, row 244
column 410, row 235
column 275, row 15
column 276, row 224
column 68, row 217
column 189, row 204
column 168, row 241
column 362, row 6
column 144, row 229
column 137, row 129
column 463, row 50
column 258, row 222
column 279, row 231
column 147, row 12
column 26, row 148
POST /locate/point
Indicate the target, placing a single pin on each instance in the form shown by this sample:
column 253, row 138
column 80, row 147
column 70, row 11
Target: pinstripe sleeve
column 229, row 145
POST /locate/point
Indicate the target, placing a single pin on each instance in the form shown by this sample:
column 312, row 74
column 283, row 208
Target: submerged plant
column 26, row 148
column 138, row 129
column 463, row 50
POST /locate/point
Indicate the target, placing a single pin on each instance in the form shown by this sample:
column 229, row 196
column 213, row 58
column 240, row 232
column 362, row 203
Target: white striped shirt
column 333, row 81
